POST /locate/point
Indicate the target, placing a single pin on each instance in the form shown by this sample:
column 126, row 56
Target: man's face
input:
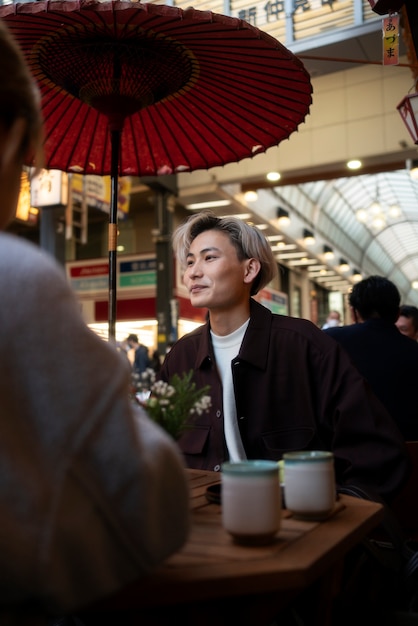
column 214, row 276
column 406, row 327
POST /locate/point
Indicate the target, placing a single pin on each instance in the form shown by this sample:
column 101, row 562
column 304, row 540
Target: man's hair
column 411, row 312
column 376, row 296
column 247, row 240
column 132, row 338
column 19, row 95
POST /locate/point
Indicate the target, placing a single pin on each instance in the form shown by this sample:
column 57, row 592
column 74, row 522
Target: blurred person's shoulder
column 21, row 254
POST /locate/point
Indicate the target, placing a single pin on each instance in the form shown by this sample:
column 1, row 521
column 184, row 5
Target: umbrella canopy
column 188, row 89
column 146, row 90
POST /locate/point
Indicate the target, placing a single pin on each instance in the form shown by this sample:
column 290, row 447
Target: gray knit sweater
column 92, row 493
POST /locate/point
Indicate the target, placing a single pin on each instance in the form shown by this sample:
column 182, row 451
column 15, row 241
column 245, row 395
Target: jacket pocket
column 287, row 440
column 194, row 439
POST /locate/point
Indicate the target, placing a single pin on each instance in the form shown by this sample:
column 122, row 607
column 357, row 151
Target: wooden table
column 212, row 578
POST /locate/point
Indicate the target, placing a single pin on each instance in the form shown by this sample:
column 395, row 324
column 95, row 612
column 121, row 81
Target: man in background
column 384, row 356
column 333, row 320
column 407, row 321
column 141, row 359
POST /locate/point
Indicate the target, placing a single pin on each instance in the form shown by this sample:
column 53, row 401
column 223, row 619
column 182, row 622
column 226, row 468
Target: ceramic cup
column 251, row 501
column 309, row 483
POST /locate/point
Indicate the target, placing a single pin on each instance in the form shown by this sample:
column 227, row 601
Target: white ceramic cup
column 251, row 501
column 309, row 483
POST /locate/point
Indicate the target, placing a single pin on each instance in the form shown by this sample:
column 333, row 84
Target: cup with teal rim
column 251, row 501
column 309, row 483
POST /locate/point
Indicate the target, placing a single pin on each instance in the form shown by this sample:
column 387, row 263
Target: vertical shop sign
column 391, row 39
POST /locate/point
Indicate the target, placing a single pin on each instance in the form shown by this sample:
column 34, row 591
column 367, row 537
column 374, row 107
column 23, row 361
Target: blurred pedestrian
column 407, row 321
column 156, row 361
column 141, row 359
column 333, row 320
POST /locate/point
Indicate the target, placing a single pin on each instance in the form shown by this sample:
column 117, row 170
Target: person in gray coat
column 93, row 494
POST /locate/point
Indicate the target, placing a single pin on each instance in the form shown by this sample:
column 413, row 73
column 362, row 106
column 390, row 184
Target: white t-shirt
column 227, row 348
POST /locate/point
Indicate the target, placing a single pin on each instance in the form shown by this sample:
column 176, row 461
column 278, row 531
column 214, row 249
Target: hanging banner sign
column 97, row 190
column 391, row 40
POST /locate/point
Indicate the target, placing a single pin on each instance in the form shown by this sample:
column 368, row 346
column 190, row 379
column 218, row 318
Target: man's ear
column 353, row 314
column 252, row 268
column 11, row 141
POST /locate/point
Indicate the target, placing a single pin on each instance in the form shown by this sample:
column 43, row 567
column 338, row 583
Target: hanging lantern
column 408, row 110
column 383, row 7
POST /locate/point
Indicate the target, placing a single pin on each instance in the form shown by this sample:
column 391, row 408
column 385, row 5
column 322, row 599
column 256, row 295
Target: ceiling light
column 308, row 237
column 412, row 166
column 250, row 196
column 356, row 276
column 375, row 208
column 239, row 216
column 283, row 217
column 354, row 164
column 314, row 271
column 196, row 206
column 332, row 280
column 303, row 261
column 292, row 255
column 281, row 245
column 378, row 222
column 328, row 252
column 408, row 110
column 361, row 215
column 318, row 267
column 378, row 214
column 344, row 266
column 273, row 176
column 394, row 211
column 415, row 284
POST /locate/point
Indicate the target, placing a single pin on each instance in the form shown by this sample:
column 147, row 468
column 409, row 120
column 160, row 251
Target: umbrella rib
column 190, row 141
column 169, row 128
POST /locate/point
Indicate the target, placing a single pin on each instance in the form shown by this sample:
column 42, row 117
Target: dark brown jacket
column 295, row 389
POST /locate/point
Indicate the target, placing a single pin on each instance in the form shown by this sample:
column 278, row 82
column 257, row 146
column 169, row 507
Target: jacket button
column 218, row 413
column 216, row 468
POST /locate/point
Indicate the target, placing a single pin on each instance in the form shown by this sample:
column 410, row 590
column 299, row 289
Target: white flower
column 172, row 404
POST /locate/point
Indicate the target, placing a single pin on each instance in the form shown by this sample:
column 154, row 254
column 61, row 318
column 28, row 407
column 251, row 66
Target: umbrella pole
column 113, row 231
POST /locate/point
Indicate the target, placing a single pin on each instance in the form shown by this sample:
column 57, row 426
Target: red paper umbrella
column 147, row 90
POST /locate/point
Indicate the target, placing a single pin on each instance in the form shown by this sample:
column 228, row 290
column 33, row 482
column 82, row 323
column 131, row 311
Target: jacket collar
column 255, row 345
column 379, row 323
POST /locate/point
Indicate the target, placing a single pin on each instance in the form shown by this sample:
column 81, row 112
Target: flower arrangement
column 171, row 404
